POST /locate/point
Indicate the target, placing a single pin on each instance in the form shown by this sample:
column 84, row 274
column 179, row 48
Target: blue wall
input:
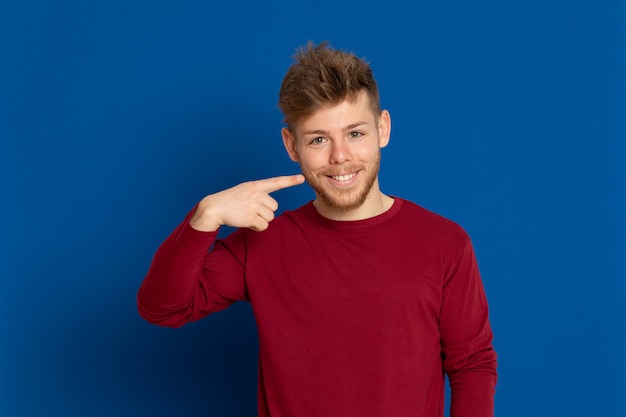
column 116, row 117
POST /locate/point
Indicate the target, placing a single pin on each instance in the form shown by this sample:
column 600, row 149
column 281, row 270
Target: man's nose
column 340, row 152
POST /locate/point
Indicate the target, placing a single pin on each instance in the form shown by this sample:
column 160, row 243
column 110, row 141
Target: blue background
column 116, row 117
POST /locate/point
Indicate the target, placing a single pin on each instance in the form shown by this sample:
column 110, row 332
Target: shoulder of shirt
column 437, row 223
column 415, row 213
column 410, row 218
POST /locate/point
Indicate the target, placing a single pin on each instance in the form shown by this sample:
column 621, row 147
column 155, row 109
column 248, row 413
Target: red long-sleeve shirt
column 359, row 318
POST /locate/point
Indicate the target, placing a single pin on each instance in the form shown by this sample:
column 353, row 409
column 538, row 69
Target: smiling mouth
column 344, row 177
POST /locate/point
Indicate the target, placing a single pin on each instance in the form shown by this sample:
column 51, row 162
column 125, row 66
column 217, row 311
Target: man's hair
column 321, row 76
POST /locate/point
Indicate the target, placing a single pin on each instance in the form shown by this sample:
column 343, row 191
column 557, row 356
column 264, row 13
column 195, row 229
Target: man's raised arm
column 173, row 292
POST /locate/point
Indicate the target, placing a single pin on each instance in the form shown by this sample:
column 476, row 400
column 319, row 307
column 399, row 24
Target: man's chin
column 344, row 205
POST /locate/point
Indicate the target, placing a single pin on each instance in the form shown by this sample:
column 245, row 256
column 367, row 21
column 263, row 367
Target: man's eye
column 355, row 135
column 317, row 141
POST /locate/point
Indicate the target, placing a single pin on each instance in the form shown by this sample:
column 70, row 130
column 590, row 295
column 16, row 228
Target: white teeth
column 343, row 177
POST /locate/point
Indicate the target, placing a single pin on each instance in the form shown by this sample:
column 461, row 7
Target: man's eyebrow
column 315, row 132
column 324, row 132
column 354, row 125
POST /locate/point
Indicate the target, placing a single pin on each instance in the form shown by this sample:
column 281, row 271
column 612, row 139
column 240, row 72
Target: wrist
column 203, row 219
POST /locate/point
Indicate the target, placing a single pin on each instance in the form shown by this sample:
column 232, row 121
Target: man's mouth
column 344, row 177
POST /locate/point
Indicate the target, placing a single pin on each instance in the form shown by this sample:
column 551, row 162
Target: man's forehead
column 345, row 114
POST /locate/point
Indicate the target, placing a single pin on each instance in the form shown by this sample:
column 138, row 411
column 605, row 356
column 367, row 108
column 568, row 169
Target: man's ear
column 290, row 144
column 384, row 128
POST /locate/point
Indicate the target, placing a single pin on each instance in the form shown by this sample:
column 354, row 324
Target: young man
column 363, row 301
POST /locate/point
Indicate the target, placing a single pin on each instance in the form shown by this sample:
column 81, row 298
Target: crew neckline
column 354, row 224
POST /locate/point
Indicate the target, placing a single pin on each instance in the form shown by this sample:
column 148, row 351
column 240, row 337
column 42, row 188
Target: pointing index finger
column 269, row 185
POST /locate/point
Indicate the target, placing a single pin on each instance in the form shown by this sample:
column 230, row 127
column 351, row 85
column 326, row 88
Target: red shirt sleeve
column 468, row 355
column 185, row 282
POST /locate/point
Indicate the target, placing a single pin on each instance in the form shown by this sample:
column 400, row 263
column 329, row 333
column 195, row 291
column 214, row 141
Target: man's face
column 338, row 149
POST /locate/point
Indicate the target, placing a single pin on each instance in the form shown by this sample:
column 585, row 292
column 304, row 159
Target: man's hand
column 245, row 205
